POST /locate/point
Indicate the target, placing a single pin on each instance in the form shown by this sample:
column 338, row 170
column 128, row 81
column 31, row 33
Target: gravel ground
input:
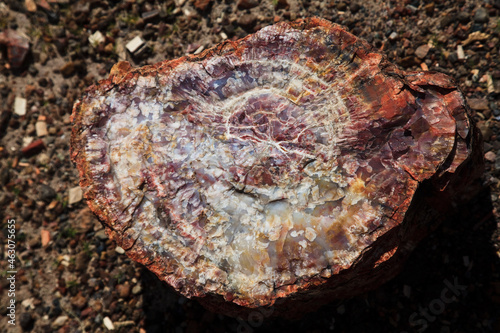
column 71, row 278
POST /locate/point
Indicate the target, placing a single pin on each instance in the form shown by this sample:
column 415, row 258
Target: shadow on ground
column 449, row 284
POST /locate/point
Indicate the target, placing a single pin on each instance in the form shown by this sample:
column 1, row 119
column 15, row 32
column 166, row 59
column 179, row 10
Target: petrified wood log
column 287, row 168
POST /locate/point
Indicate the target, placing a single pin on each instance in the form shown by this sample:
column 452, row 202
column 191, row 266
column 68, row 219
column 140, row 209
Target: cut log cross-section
column 284, row 169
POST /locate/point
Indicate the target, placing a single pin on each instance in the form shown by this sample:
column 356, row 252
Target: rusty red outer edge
column 384, row 254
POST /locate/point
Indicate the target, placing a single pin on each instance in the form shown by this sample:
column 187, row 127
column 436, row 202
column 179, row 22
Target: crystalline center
column 243, row 177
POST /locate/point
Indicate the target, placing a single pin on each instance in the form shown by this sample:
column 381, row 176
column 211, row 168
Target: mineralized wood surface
column 284, row 169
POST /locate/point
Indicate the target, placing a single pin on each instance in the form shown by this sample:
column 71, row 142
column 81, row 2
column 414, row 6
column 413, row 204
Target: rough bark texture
column 282, row 170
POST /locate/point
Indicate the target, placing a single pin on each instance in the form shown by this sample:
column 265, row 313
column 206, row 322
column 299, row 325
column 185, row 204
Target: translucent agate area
column 265, row 166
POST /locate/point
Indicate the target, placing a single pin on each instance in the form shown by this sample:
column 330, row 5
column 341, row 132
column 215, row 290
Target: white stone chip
column 188, row 12
column 28, row 303
column 119, row 250
column 108, row 323
column 30, row 5
column 137, row 289
column 43, row 159
column 135, row 44
column 59, row 321
column 41, row 128
column 75, row 195
column 20, row 106
column 460, row 52
column 489, row 84
column 27, row 140
column 198, row 50
column 96, row 38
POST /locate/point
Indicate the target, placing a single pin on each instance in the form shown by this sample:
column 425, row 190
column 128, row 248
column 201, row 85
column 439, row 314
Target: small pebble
column 108, row 323
column 124, row 290
column 422, row 51
column 490, row 156
column 354, row 7
column 198, row 50
column 202, row 4
column 30, row 5
column 43, row 159
column 150, row 15
column 81, row 261
column 46, row 193
column 489, row 84
column 101, row 234
column 135, row 44
column 247, row 4
column 78, row 301
column 429, row 8
column 481, row 15
column 59, row 321
column 86, row 312
column 41, row 128
column 137, row 289
column 28, row 303
column 342, row 6
column 33, row 147
column 96, row 39
column 460, row 52
column 26, row 321
column 109, row 48
column 247, row 21
column 75, row 195
column 20, row 106
column 45, row 236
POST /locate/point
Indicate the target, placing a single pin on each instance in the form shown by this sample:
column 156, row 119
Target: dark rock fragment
column 26, row 321
column 447, row 20
column 354, row 7
column 481, row 15
column 247, row 4
column 46, row 193
column 33, row 148
column 247, row 21
column 17, row 45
